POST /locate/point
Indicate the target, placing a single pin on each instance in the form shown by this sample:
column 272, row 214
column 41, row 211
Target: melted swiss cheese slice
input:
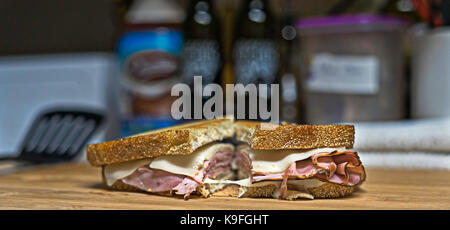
column 116, row 171
column 276, row 161
column 179, row 164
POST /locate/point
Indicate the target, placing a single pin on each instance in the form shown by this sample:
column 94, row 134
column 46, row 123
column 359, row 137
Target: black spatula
column 58, row 136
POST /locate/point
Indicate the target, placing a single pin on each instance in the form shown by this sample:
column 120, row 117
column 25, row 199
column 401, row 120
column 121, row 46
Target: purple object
column 345, row 20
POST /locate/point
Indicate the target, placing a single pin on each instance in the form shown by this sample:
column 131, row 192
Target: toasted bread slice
column 290, row 136
column 326, row 190
column 175, row 140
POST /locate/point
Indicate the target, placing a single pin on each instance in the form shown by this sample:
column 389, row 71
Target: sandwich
column 290, row 161
column 283, row 161
column 171, row 161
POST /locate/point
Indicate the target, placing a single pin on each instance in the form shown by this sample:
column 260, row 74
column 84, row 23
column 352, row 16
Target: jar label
column 344, row 74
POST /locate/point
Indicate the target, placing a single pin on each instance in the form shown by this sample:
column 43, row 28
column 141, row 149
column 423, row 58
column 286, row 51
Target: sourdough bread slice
column 325, row 190
column 290, row 136
column 175, row 140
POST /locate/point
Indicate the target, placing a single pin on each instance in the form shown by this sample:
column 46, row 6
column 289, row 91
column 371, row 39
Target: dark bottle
column 202, row 50
column 255, row 52
column 400, row 8
column 404, row 9
column 290, row 89
column 202, row 53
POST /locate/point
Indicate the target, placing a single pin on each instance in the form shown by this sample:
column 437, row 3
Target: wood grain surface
column 78, row 186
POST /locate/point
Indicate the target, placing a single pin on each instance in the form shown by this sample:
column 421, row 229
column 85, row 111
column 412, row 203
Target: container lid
column 155, row 11
column 349, row 20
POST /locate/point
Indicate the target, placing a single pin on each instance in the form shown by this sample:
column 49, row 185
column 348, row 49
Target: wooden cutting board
column 79, row 186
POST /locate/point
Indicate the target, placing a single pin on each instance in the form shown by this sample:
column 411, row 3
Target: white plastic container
column 352, row 68
column 430, row 89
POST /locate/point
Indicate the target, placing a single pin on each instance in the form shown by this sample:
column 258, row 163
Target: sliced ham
column 292, row 170
column 155, row 180
column 186, row 187
column 244, row 163
column 219, row 163
column 343, row 168
column 189, row 185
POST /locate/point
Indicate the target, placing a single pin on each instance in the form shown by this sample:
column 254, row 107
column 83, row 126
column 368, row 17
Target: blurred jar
column 352, row 68
column 149, row 51
column 431, row 74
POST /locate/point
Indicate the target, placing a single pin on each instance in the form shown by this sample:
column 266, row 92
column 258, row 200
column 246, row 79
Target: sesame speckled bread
column 326, row 190
column 175, row 140
column 290, row 136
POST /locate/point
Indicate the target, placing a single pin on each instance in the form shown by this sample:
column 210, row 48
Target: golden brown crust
column 290, row 136
column 326, row 190
column 176, row 140
column 120, row 186
column 331, row 190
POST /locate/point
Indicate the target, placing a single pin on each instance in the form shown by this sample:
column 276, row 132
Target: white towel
column 415, row 135
column 405, row 160
column 418, row 144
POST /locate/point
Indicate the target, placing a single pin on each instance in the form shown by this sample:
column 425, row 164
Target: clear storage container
column 352, row 68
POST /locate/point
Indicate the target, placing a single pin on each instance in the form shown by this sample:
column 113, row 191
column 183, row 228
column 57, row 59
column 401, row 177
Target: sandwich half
column 284, row 161
column 171, row 161
column 290, row 161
